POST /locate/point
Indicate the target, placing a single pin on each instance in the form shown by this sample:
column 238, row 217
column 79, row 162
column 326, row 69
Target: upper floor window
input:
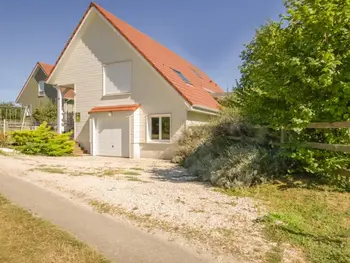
column 41, row 88
column 117, row 78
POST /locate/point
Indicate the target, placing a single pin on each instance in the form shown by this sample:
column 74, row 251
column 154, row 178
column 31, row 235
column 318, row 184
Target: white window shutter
column 117, row 77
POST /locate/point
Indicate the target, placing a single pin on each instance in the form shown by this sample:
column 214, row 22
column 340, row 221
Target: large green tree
column 46, row 113
column 297, row 70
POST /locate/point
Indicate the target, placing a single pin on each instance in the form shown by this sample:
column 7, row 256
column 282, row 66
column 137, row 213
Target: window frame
column 104, row 79
column 149, row 128
column 41, row 93
column 182, row 76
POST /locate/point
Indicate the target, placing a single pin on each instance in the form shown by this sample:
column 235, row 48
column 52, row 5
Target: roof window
column 182, row 76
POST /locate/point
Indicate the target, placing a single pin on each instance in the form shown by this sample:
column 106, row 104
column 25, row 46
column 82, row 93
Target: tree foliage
column 296, row 71
column 9, row 111
column 46, row 113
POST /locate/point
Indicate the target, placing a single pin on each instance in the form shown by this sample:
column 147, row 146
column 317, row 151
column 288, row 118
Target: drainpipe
column 59, row 110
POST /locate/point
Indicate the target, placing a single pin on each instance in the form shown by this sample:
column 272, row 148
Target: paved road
column 117, row 241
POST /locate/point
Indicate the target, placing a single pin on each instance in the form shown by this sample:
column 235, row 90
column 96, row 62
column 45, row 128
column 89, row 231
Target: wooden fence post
column 4, row 126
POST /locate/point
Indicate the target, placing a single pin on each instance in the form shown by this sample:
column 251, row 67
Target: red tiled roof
column 47, row 68
column 164, row 61
column 69, row 94
column 132, row 107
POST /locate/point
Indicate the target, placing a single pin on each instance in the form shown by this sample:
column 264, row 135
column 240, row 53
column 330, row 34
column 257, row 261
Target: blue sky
column 208, row 33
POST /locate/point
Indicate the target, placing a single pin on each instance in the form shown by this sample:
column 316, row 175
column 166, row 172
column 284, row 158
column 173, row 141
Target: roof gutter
column 203, row 109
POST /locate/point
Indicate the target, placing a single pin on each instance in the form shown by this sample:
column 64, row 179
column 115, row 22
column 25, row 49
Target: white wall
column 196, row 118
column 82, row 66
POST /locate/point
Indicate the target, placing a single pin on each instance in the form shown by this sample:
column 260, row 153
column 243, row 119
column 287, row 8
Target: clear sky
column 209, row 33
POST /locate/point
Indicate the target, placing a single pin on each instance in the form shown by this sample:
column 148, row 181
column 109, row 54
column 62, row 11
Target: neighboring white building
column 133, row 96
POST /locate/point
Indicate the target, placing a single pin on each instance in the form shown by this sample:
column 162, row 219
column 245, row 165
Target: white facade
column 97, row 49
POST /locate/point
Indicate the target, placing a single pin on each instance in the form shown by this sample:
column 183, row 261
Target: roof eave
column 204, row 109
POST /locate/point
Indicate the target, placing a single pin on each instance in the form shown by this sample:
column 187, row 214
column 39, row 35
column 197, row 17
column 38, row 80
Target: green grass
column 3, row 153
column 316, row 221
column 133, row 179
column 136, row 168
column 110, row 172
column 275, row 255
column 130, row 173
column 52, row 170
column 24, row 238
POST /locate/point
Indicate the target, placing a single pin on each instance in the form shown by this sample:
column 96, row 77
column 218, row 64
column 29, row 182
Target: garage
column 112, row 134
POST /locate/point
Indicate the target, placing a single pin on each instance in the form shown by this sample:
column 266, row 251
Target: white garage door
column 113, row 135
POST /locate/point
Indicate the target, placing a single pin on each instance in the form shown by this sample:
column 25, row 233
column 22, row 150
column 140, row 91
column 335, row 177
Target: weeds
column 52, row 170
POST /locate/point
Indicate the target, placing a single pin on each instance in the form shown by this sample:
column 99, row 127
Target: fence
column 13, row 125
column 315, row 145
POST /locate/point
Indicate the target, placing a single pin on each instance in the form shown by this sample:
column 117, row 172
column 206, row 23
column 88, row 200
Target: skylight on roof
column 182, row 76
column 195, row 72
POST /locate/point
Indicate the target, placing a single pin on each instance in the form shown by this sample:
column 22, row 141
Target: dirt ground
column 158, row 197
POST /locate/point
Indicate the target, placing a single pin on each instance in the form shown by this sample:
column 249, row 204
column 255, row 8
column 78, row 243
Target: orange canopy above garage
column 131, row 107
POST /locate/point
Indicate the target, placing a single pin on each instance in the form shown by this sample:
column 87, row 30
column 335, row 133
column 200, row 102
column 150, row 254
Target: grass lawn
column 25, row 238
column 315, row 220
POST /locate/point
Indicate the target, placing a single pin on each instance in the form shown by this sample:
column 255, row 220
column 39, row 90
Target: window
column 117, row 78
column 182, row 76
column 41, row 88
column 160, row 128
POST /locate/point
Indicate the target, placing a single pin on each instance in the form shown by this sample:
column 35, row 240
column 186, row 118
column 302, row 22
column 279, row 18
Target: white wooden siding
column 82, row 66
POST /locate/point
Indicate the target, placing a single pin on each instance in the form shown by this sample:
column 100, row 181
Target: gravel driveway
column 157, row 196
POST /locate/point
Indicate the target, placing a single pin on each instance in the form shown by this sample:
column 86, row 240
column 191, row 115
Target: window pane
column 41, row 86
column 155, row 128
column 165, row 128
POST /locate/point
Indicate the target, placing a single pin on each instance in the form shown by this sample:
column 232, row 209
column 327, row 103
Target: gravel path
column 155, row 195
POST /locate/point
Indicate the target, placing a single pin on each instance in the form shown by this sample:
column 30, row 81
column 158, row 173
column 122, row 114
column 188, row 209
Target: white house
column 133, row 96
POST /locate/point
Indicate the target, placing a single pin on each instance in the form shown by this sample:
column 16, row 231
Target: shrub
column 4, row 140
column 213, row 153
column 43, row 141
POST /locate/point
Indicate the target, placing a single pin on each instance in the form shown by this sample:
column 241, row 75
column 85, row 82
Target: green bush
column 43, row 141
column 296, row 71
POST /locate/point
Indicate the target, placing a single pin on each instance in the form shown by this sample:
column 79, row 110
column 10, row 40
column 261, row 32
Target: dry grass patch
column 110, row 172
column 134, row 179
column 47, row 169
column 136, row 168
column 24, row 238
column 4, row 153
column 131, row 173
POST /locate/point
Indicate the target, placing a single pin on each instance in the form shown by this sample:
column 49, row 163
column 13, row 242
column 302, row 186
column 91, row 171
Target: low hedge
column 43, row 141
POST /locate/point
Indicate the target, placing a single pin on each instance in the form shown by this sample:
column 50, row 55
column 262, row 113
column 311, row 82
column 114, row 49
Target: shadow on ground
column 176, row 174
